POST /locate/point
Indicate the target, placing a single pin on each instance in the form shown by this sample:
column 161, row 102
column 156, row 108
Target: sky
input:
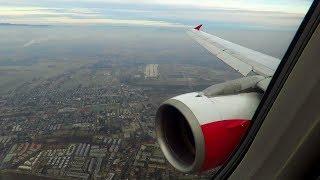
column 161, row 13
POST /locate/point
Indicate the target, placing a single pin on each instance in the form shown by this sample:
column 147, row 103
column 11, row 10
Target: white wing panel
column 238, row 57
column 235, row 63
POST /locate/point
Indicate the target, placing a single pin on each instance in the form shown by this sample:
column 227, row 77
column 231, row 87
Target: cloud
column 289, row 6
column 43, row 11
column 99, row 21
column 35, row 41
column 162, row 13
column 73, row 16
column 260, row 18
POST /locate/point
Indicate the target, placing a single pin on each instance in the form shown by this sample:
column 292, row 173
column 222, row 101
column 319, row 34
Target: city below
column 94, row 121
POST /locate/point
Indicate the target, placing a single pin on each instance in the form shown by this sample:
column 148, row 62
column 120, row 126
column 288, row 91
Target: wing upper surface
column 240, row 58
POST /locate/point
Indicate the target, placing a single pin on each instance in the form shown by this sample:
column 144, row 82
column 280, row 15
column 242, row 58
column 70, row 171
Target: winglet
column 198, row 27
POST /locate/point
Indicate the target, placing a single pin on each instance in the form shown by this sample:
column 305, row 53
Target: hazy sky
column 169, row 13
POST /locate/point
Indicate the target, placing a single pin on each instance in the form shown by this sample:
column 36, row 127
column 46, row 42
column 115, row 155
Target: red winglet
column 198, row 27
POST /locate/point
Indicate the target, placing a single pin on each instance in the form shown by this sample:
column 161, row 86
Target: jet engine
column 198, row 132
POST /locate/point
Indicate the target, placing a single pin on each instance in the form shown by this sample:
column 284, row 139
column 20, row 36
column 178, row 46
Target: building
column 151, row 71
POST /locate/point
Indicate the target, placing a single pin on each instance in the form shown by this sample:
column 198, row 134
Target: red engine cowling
column 197, row 133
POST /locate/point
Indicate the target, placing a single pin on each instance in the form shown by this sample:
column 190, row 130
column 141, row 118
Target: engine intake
column 197, row 133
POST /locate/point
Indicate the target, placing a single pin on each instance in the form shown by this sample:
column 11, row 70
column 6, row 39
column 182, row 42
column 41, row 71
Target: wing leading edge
column 240, row 58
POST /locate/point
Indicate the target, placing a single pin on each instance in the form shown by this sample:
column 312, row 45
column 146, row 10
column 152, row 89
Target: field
column 12, row 77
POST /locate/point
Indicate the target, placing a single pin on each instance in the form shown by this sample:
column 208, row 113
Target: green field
column 87, row 77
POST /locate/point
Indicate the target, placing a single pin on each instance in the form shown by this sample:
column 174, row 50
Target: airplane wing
column 240, row 58
column 198, row 131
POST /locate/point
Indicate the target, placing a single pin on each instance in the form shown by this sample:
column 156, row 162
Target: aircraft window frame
column 294, row 51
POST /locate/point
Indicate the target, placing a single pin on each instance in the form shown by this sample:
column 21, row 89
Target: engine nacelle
column 198, row 133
